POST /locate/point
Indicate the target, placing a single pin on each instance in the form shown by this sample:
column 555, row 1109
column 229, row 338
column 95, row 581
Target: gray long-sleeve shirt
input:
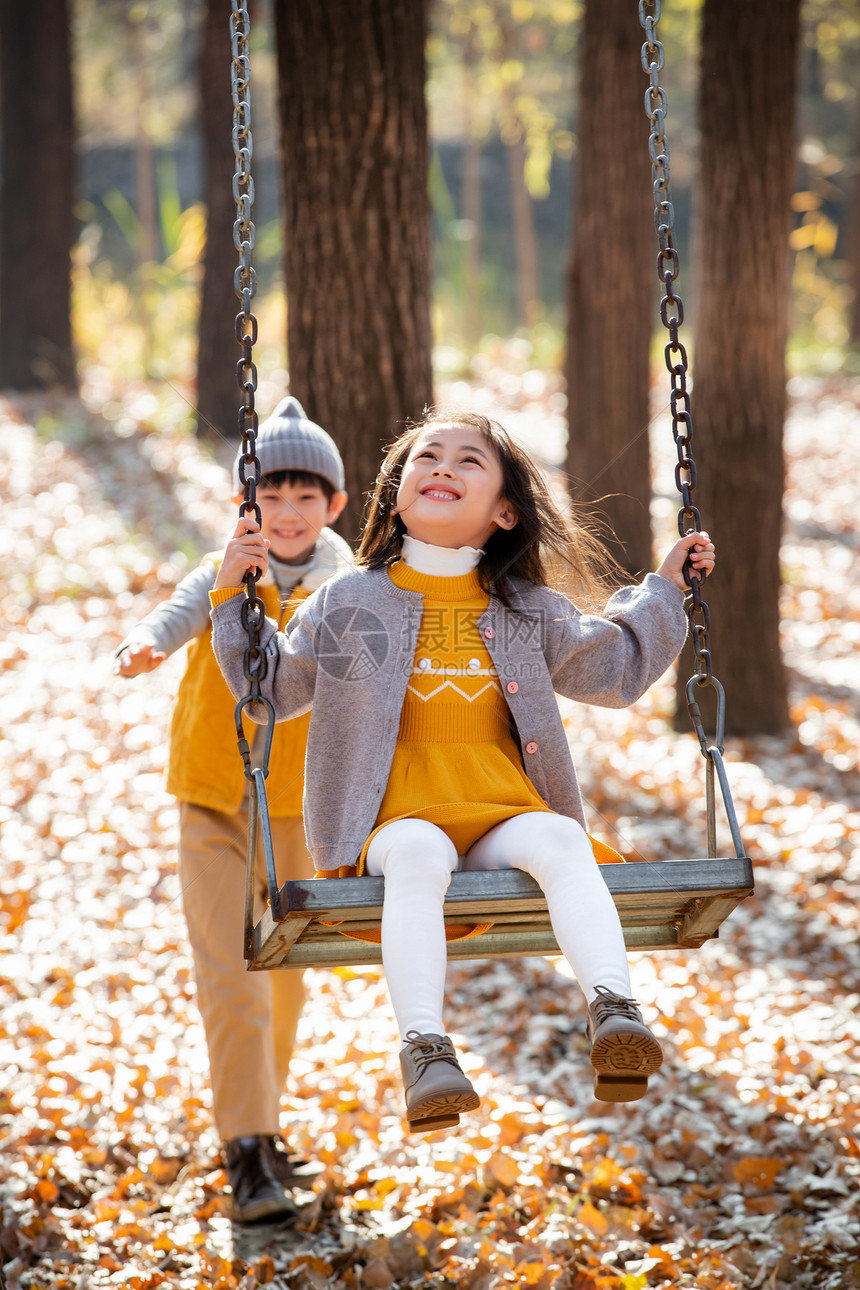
column 185, row 614
column 347, row 655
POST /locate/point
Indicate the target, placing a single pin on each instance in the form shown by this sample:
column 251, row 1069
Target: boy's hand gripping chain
column 672, row 315
column 245, row 286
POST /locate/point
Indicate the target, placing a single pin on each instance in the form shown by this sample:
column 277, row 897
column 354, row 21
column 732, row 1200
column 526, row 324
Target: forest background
column 743, row 1172
column 140, row 213
column 502, row 83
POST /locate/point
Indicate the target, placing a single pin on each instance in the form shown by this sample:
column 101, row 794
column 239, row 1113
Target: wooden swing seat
column 670, row 904
column 664, row 904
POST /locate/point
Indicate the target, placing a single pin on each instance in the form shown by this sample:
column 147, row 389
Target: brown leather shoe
column 623, row 1050
column 436, row 1088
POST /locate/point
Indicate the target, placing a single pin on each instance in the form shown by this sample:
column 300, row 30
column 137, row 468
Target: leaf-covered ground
column 740, row 1168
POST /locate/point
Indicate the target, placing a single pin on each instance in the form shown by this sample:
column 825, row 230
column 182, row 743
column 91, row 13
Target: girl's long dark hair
column 545, row 546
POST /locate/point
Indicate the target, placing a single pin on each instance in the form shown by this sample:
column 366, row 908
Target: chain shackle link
column 672, row 317
column 245, row 286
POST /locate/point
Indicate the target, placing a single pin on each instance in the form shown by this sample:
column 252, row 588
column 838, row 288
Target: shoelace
column 426, row 1050
column 609, row 1004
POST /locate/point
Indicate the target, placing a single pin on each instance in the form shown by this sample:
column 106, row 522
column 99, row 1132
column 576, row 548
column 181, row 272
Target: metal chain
column 672, row 315
column 245, row 286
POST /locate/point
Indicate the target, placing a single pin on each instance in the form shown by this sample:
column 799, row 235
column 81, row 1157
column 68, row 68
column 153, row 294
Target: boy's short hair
column 288, row 441
column 297, row 479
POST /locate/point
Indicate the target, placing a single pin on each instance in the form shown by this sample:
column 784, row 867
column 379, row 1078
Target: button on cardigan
column 347, row 654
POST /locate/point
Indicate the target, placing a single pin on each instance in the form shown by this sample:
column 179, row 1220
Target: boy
column 250, row 1018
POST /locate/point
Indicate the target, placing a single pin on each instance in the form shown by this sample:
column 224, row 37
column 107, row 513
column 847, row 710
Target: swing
column 662, row 905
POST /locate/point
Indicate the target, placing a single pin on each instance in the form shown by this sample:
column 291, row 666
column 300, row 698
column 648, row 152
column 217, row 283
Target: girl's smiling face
column 450, row 490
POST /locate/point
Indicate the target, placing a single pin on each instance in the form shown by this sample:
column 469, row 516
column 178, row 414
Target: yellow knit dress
column 457, row 763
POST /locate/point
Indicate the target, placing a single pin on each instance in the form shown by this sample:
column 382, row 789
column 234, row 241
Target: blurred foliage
column 157, row 38
column 147, row 321
column 829, row 121
column 136, row 289
column 506, row 68
column 500, row 72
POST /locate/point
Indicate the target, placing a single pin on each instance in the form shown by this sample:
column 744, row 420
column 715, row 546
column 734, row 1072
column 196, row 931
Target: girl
column 431, row 670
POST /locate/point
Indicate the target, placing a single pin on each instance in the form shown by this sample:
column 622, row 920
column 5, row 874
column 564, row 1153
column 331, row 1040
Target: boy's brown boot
column 623, row 1050
column 436, row 1088
column 289, row 1170
column 258, row 1197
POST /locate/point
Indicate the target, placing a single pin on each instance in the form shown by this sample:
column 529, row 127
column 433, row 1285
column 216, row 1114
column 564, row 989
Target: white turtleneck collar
column 439, row 561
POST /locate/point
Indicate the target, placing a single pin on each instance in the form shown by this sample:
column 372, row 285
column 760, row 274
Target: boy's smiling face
column 293, row 516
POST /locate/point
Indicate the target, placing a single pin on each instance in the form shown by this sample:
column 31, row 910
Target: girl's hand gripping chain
column 700, row 550
column 247, row 550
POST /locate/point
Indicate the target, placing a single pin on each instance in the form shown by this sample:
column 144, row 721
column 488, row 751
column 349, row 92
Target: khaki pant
column 250, row 1018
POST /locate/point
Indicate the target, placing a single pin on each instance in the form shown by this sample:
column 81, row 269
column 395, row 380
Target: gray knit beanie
column 287, row 440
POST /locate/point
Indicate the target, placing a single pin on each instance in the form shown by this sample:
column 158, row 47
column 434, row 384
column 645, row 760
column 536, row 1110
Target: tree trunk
column 217, row 348
column 36, row 220
column 357, row 221
column 747, row 110
column 611, row 285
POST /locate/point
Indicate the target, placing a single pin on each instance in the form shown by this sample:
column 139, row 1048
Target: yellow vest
column 205, row 764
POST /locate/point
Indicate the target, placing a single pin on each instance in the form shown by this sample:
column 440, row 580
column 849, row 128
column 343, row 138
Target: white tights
column 417, row 860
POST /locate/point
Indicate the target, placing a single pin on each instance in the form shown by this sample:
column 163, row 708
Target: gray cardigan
column 348, row 653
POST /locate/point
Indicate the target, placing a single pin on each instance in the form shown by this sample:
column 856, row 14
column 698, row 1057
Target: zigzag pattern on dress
column 450, row 685
column 453, row 671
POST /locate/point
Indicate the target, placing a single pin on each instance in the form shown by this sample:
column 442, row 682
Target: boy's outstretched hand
column 700, row 549
column 136, row 659
column 246, row 550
